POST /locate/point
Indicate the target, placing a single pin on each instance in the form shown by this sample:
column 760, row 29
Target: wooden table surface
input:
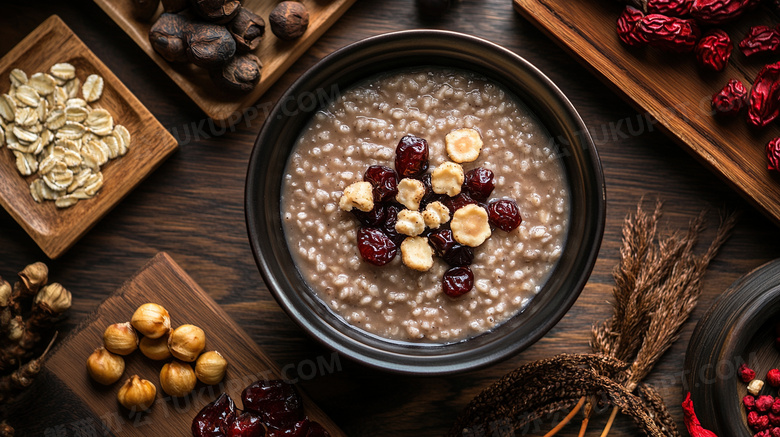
column 192, row 208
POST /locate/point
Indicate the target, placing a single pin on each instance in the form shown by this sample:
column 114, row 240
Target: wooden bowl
column 738, row 328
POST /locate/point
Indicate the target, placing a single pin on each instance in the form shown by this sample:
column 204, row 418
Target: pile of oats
column 57, row 135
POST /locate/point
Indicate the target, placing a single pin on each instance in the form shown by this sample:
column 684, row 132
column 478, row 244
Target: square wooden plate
column 276, row 55
column 162, row 281
column 671, row 89
column 56, row 230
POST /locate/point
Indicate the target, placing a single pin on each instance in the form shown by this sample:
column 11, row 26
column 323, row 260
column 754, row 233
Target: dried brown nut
column 187, row 342
column 177, row 378
column 175, row 5
column 211, row 367
column 242, row 74
column 218, row 11
column 105, row 367
column 155, row 348
column 143, row 10
column 120, row 338
column 137, row 394
column 167, row 37
column 151, row 320
column 289, row 20
column 247, row 28
column 208, row 45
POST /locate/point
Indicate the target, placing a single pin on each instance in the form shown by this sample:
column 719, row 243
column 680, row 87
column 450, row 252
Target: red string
column 692, row 422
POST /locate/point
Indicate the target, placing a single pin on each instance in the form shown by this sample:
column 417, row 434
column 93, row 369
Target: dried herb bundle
column 657, row 285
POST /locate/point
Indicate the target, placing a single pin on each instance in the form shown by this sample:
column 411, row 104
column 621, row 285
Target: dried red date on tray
column 765, row 96
column 714, row 50
column 773, row 154
column 718, row 11
column 760, row 39
column 626, row 26
column 731, row 99
column 672, row 8
column 668, row 33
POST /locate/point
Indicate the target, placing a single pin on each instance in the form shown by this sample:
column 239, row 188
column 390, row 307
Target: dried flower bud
column 177, row 378
column 247, row 28
column 144, row 9
column 175, row 5
column 137, row 394
column 155, row 348
column 120, row 338
column 167, row 37
column 241, row 74
column 218, row 11
column 731, row 99
column 151, row 320
column 289, row 20
column 714, row 50
column 210, row 367
column 55, row 297
column 755, row 387
column 105, row 367
column 773, row 159
column 187, row 342
column 208, row 45
column 34, row 276
column 16, row 329
column 5, row 293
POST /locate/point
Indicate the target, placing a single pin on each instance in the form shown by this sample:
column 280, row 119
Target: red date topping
column 376, row 247
column 375, row 217
column 718, row 11
column 458, row 202
column 668, row 33
column 411, row 156
column 246, row 424
column 673, row 8
column 391, row 218
column 760, row 39
column 277, row 403
column 441, row 241
column 731, row 99
column 458, row 281
column 214, row 419
column 479, row 184
column 504, row 214
column 384, row 180
column 627, row 24
column 765, row 96
column 714, row 50
column 773, row 154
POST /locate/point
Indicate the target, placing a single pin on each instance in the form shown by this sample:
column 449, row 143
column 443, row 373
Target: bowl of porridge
column 425, row 202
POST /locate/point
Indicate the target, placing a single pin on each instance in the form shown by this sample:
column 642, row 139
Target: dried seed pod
column 143, row 10
column 208, row 45
column 247, row 28
column 166, row 36
column 289, row 20
column 54, row 297
column 242, row 73
column 218, row 11
column 175, row 5
column 34, row 276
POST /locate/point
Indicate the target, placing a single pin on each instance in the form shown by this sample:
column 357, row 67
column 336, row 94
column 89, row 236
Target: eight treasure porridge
column 425, row 205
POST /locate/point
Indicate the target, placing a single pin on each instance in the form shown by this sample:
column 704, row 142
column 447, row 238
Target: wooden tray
column 163, row 281
column 276, row 55
column 671, row 89
column 56, row 230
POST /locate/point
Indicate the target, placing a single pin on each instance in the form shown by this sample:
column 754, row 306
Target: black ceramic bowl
column 401, row 50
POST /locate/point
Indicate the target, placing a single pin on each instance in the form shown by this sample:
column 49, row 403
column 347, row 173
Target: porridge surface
column 362, row 128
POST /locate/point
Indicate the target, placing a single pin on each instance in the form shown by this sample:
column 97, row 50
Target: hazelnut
column 151, row 320
column 137, row 394
column 289, row 20
column 155, row 348
column 211, row 367
column 167, row 37
column 105, row 367
column 208, row 45
column 241, row 74
column 186, row 342
column 177, row 378
column 120, row 338
column 247, row 28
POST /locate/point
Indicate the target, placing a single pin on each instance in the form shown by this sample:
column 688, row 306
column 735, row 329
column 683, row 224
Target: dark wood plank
column 192, row 207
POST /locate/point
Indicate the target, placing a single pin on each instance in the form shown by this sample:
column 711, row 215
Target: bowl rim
column 429, row 365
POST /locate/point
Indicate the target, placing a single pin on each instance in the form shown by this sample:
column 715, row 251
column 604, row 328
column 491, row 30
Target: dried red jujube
column 384, row 180
column 668, row 33
column 411, row 156
column 626, row 26
column 376, row 247
column 457, row 281
column 214, row 419
column 714, row 50
column 760, row 39
column 504, row 214
column 773, row 155
column 718, row 11
column 479, row 183
column 731, row 99
column 764, row 103
column 672, row 8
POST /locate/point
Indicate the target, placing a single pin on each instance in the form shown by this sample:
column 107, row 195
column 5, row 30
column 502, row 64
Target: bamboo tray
column 161, row 281
column 671, row 89
column 56, row 230
column 276, row 55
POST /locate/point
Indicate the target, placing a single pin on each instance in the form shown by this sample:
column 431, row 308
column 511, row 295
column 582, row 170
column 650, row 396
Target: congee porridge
column 425, row 205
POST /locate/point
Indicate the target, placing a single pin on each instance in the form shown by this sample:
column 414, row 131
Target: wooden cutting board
column 276, row 55
column 670, row 89
column 162, row 281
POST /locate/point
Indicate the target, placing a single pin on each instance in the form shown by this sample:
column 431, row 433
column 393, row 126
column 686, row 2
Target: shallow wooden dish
column 56, row 230
column 738, row 328
column 276, row 55
column 669, row 91
column 161, row 281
